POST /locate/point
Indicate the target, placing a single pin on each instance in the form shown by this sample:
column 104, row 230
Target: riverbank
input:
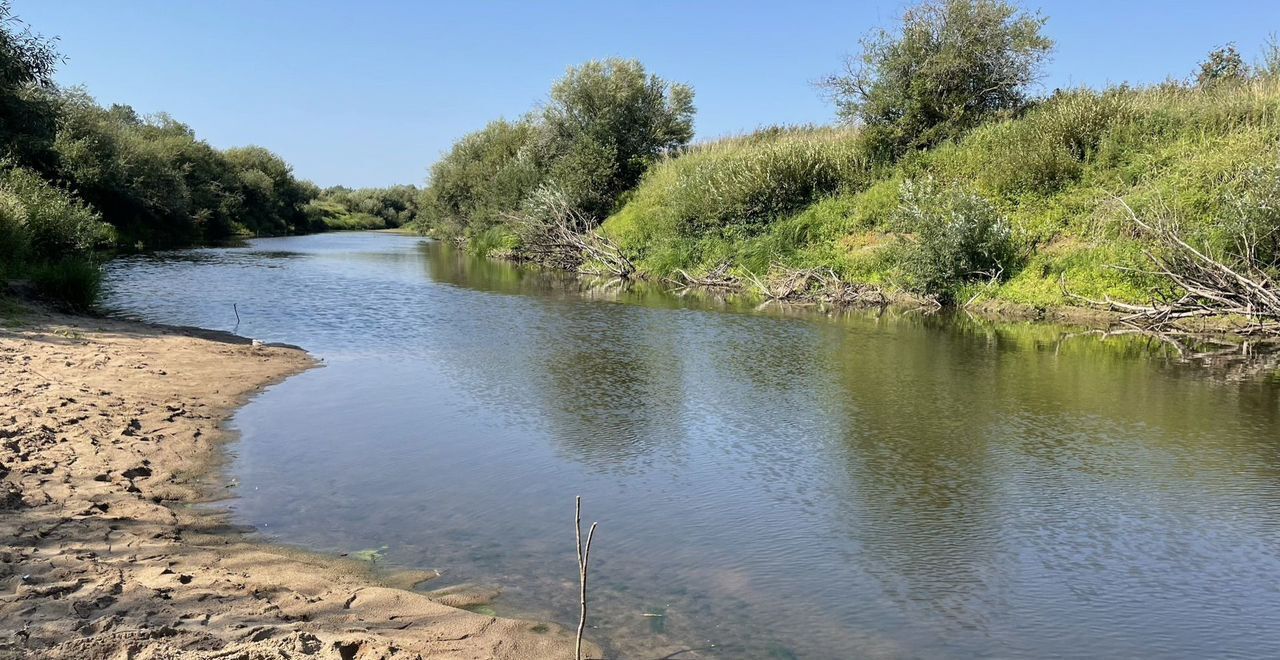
column 111, row 431
column 1127, row 199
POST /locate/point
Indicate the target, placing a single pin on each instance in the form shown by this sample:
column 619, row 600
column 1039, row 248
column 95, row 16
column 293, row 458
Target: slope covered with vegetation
column 1020, row 209
column 949, row 179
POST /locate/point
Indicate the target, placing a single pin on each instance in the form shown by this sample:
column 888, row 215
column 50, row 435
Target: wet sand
column 109, row 432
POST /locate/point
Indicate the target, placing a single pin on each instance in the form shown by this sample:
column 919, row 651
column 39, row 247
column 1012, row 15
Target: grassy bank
column 950, row 180
column 1037, row 198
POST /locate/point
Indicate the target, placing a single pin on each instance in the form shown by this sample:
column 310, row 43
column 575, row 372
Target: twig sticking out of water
column 237, row 311
column 584, row 554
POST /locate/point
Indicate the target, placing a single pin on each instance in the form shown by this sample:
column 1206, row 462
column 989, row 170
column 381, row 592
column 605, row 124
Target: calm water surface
column 776, row 486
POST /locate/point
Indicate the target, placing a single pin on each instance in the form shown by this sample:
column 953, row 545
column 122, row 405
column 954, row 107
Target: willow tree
column 27, row 63
column 949, row 66
column 606, row 122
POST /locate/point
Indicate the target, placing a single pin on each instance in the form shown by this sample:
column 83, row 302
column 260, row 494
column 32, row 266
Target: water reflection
column 892, row 485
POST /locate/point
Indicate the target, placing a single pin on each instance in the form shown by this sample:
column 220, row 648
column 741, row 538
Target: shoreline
column 110, row 431
column 985, row 308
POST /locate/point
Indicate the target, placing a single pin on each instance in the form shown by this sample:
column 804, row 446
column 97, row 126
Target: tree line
column 77, row 178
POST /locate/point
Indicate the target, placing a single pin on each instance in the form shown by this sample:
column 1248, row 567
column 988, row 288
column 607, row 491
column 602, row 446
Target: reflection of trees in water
column 610, row 382
column 919, row 499
column 947, row 420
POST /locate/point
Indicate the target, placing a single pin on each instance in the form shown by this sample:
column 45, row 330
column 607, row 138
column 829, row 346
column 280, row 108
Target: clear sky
column 370, row 93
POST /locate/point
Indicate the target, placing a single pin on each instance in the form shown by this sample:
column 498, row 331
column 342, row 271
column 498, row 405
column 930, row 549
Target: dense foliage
column 77, row 178
column 605, row 124
column 366, row 208
column 949, row 179
column 950, row 66
column 161, row 186
column 27, row 63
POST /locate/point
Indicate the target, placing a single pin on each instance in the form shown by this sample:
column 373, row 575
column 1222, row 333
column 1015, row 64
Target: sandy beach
column 109, row 432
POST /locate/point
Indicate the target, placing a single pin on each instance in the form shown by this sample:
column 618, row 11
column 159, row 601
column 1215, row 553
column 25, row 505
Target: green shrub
column 949, row 66
column 40, row 222
column 493, row 242
column 14, row 244
column 73, row 283
column 356, row 222
column 956, row 237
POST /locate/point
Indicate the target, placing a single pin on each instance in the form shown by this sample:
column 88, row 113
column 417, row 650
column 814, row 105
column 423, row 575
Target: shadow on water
column 778, row 484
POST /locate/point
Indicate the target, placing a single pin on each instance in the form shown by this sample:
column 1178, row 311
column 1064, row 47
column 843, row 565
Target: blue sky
column 371, row 93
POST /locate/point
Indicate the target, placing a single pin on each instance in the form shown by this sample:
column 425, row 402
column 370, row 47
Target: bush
column 606, row 122
column 14, row 245
column 356, row 222
column 1222, row 66
column 73, row 283
column 483, row 177
column 1248, row 233
column 956, row 237
column 40, row 222
column 950, row 66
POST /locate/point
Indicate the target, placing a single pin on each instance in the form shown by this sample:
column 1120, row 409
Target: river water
column 773, row 484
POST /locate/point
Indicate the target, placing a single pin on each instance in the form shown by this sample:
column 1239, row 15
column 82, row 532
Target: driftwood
column 718, row 278
column 1202, row 286
column 816, row 286
column 560, row 236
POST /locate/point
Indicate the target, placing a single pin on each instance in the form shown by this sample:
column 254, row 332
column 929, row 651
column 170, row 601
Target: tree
column 27, row 63
column 483, row 177
column 605, row 123
column 1223, row 65
column 273, row 198
column 951, row 65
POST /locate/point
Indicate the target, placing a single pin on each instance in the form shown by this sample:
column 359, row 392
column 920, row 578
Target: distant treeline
column 77, row 178
column 948, row 176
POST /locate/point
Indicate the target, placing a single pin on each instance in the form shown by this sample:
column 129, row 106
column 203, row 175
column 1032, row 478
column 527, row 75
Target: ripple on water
column 778, row 486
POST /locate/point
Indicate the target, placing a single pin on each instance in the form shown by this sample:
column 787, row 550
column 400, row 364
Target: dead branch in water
column 718, row 278
column 584, row 555
column 1241, row 358
column 1203, row 286
column 554, row 233
column 816, row 286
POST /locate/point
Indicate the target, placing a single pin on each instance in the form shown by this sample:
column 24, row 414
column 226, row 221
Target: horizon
column 311, row 82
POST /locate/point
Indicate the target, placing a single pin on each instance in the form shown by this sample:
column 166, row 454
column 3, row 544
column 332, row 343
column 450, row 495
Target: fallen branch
column 816, row 286
column 718, row 278
column 555, row 234
column 1202, row 286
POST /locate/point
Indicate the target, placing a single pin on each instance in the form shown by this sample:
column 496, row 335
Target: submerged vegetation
column 78, row 178
column 949, row 179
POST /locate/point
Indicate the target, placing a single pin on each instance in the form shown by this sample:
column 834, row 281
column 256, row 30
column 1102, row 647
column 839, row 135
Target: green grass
column 11, row 312
column 807, row 198
column 73, row 283
column 354, row 222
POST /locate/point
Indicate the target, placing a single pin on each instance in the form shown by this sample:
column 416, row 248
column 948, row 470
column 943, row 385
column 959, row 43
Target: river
column 770, row 484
